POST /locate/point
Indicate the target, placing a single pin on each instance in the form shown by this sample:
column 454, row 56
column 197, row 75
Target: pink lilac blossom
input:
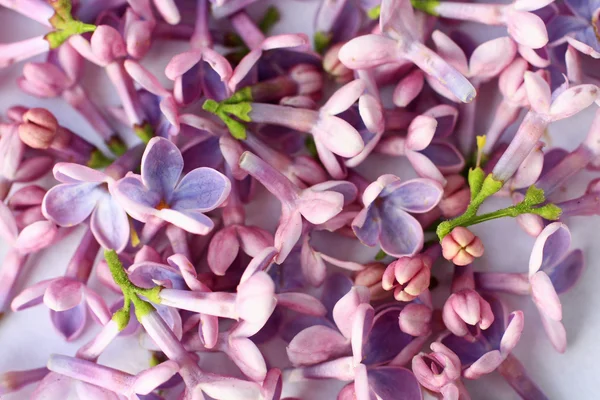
column 196, row 261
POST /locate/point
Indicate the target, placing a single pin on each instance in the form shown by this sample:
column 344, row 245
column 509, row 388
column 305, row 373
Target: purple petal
column 202, row 189
column 76, row 173
column 424, row 167
column 162, row 164
column 361, row 327
column 222, row 250
column 555, row 331
column 567, row 272
column 394, row 383
column 313, row 266
column 584, row 8
column 70, row 204
column 401, row 234
column 8, row 225
column 345, row 308
column 414, row 196
column 544, row 295
column 287, row 234
column 484, row 365
column 145, row 273
column 32, row 296
column 248, row 358
column 135, row 198
column 70, row 323
column 53, row 387
column 550, row 247
column 296, row 325
column 386, row 340
column 109, row 224
column 336, row 286
column 317, row 344
column 367, row 226
column 63, row 294
column 445, row 156
column 493, row 334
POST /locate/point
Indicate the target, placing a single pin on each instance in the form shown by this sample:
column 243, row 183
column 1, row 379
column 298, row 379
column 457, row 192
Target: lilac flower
column 84, row 193
column 440, row 372
column 17, row 163
column 485, row 62
column 30, row 239
column 316, row 207
column 386, row 219
column 364, row 335
column 59, row 76
column 112, row 379
column 397, row 23
column 523, row 26
column 67, row 296
column 159, row 194
column 552, row 270
column 544, row 110
column 430, row 157
column 580, row 29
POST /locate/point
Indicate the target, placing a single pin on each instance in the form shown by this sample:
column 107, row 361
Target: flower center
column 161, row 205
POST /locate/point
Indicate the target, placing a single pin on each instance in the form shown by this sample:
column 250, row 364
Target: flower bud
column 466, row 307
column 461, row 246
column 38, row 129
column 370, row 277
column 437, row 369
column 415, row 319
column 409, row 276
column 334, row 67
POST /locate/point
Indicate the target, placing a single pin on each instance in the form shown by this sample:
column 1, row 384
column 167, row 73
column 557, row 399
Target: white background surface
column 27, row 338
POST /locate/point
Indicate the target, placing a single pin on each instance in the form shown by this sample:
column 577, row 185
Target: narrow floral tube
column 515, row 374
column 22, row 50
column 15, row 380
column 37, row 10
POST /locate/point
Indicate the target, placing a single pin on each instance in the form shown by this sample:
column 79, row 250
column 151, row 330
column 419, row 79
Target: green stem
column 130, row 291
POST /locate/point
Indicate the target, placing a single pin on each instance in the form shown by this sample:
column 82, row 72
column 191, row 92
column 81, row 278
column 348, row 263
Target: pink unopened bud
column 334, row 67
column 415, row 319
column 461, row 246
column 408, row 276
column 370, row 277
column 437, row 369
column 38, row 129
column 465, row 309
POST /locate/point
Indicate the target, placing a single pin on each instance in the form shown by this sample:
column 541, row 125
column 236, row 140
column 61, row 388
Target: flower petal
column 573, row 100
column 244, row 353
column 367, row 226
column 70, row 323
column 189, row 220
column 445, row 156
column 401, row 234
column 527, row 29
column 202, row 189
column 550, row 247
column 450, row 52
column 544, row 296
column 317, row 344
column 512, row 334
column 555, row 331
column 484, row 365
column 394, row 383
column 162, row 164
column 135, row 198
column 361, row 327
column 491, row 57
column 109, row 224
column 567, row 272
column 386, row 340
column 337, row 135
column 414, row 196
column 70, row 204
column 319, row 207
column 63, row 294
column 344, row 309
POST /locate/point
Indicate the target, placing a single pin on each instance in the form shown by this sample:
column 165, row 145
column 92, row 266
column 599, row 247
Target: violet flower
column 112, row 379
column 544, row 110
column 200, row 71
column 67, row 296
column 316, row 207
column 158, row 194
column 108, row 49
column 59, row 76
column 400, row 42
column 30, row 239
column 235, row 235
column 17, row 163
column 491, row 350
column 484, row 63
column 429, row 156
column 552, row 270
column 523, row 26
column 386, row 221
column 83, row 193
column 440, row 371
column 366, row 367
column 580, row 29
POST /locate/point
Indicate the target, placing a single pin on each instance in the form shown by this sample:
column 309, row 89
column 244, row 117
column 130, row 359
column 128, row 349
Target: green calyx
column 144, row 132
column 98, row 160
column 427, row 6
column 227, row 108
column 64, row 23
column 130, row 291
column 380, row 255
column 374, row 12
column 269, row 19
column 321, row 41
column 116, row 145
